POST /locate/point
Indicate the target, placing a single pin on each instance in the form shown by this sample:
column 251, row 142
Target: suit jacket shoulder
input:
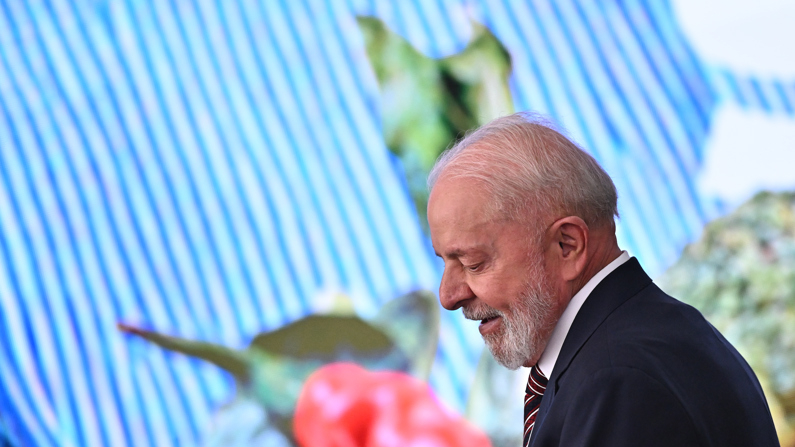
column 639, row 367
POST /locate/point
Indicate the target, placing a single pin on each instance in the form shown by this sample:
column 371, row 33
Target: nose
column 454, row 290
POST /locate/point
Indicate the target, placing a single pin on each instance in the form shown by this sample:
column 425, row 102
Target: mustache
column 480, row 312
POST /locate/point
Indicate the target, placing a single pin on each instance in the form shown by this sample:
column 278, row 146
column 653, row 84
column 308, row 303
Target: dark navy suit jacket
column 639, row 368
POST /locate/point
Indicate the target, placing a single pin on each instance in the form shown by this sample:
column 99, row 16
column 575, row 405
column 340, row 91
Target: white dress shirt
column 550, row 355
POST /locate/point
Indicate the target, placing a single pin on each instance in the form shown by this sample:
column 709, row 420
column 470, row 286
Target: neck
column 606, row 250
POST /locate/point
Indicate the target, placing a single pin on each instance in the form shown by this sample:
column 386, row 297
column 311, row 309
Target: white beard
column 524, row 328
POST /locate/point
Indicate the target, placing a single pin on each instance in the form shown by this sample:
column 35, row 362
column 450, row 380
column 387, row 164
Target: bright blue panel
column 209, row 168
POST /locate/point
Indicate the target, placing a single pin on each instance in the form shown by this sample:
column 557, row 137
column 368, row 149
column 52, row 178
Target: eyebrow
column 458, row 252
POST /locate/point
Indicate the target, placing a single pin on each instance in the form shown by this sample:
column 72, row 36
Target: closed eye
column 474, row 267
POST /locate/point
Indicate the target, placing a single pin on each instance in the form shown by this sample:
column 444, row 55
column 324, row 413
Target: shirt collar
column 550, row 355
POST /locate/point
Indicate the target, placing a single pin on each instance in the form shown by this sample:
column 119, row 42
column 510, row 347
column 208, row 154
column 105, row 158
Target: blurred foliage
column 412, row 323
column 271, row 372
column 427, row 103
column 495, row 401
column 741, row 276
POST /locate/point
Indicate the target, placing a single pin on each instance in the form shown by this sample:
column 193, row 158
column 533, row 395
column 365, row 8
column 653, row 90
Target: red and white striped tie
column 536, row 385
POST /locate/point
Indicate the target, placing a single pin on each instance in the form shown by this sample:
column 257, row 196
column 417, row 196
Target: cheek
column 498, row 291
column 484, row 287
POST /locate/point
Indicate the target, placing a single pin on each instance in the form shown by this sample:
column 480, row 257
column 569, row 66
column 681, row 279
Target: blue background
column 213, row 169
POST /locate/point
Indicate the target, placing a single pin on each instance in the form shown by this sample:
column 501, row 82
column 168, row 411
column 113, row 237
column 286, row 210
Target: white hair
column 526, row 163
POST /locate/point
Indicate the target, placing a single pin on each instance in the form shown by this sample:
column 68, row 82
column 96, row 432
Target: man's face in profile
column 493, row 269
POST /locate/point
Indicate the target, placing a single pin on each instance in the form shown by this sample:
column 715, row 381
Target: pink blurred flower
column 344, row 405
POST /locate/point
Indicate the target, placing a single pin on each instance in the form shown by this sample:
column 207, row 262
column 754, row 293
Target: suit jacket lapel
column 620, row 285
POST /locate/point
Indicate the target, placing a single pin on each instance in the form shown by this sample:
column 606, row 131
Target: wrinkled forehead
column 461, row 224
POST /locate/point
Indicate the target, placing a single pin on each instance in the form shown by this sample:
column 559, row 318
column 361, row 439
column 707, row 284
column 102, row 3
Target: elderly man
column 524, row 221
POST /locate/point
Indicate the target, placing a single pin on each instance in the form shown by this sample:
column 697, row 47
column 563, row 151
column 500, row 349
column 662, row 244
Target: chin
column 525, row 328
column 506, row 357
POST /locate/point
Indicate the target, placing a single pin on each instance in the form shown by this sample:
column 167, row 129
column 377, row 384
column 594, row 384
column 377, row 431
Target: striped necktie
column 536, row 384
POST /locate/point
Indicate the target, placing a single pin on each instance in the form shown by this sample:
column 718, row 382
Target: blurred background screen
column 216, row 170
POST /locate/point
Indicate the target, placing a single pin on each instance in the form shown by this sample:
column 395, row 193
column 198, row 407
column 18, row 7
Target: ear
column 570, row 246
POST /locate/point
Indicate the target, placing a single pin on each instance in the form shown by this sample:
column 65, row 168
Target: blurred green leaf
column 327, row 338
column 412, row 322
column 231, row 360
column 273, row 369
column 427, row 103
